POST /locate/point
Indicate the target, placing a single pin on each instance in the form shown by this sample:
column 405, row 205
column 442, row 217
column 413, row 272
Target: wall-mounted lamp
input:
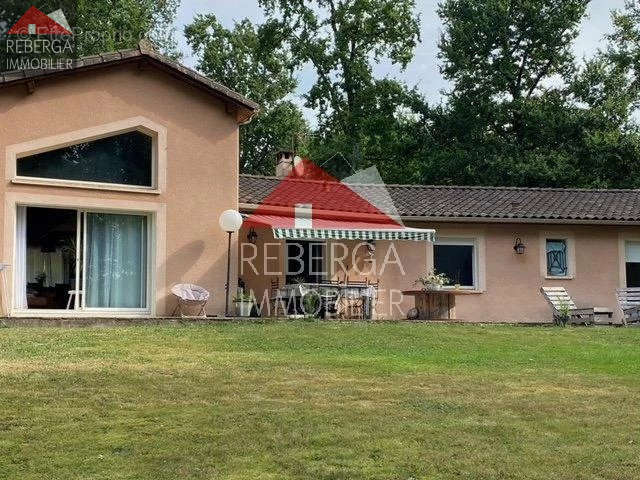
column 519, row 247
column 252, row 236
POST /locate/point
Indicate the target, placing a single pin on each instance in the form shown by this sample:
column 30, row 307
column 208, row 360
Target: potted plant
column 432, row 280
column 244, row 304
column 562, row 318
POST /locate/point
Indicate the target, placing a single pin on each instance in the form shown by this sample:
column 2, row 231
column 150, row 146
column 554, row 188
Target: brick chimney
column 284, row 163
column 287, row 162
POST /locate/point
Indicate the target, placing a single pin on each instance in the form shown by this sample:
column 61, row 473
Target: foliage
column 562, row 318
column 311, row 303
column 252, row 62
column 119, row 24
column 104, row 26
column 521, row 111
column 341, row 40
column 432, row 279
column 242, row 296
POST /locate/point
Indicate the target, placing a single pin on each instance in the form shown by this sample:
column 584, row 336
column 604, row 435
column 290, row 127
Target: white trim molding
column 142, row 124
column 156, row 244
column 477, row 240
column 622, row 256
column 569, row 238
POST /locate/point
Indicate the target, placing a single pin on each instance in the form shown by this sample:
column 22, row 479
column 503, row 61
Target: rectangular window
column 632, row 263
column 305, row 261
column 73, row 259
column 124, row 159
column 556, row 252
column 456, row 258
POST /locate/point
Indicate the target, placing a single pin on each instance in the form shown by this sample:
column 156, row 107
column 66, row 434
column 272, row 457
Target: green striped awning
column 412, row 234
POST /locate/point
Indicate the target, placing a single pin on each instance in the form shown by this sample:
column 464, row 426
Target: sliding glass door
column 81, row 260
column 116, row 261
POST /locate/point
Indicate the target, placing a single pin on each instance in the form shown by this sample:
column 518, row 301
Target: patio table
column 436, row 304
column 366, row 292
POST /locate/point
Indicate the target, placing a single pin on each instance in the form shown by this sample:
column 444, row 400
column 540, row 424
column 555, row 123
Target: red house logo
column 310, row 198
column 34, row 22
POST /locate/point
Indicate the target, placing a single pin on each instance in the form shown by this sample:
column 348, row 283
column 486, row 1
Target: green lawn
column 320, row 401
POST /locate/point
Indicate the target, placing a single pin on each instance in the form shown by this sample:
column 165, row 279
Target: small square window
column 632, row 264
column 456, row 259
column 556, row 251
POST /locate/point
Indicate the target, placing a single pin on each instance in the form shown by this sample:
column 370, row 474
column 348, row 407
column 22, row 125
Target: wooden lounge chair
column 629, row 303
column 277, row 303
column 560, row 300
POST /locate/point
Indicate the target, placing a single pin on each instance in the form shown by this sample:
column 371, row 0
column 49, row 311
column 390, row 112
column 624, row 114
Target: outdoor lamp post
column 230, row 221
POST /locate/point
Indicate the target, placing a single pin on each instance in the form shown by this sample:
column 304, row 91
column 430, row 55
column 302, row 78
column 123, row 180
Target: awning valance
column 413, row 234
column 338, row 229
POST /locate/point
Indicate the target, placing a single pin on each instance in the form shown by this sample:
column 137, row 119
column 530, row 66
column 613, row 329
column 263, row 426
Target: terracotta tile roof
column 144, row 52
column 496, row 203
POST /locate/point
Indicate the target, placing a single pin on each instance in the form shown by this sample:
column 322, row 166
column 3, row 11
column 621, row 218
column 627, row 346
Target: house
column 585, row 240
column 116, row 171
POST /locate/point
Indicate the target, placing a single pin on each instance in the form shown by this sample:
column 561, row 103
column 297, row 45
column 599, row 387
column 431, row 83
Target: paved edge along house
column 162, row 143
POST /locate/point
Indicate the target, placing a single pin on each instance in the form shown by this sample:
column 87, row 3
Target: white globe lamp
column 230, row 221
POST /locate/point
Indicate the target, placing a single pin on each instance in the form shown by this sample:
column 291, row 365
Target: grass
column 320, row 401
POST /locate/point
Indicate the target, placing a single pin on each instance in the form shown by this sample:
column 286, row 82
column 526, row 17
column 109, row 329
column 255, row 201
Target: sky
column 423, row 71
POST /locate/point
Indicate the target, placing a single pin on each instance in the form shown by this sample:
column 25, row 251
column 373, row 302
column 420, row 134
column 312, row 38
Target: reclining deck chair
column 629, row 303
column 560, row 300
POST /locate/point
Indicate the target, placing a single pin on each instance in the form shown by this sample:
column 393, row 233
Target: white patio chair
column 190, row 298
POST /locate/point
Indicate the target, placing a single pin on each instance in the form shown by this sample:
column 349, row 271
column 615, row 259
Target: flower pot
column 243, row 309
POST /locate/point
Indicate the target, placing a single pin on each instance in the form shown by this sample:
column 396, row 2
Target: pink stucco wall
column 201, row 170
column 509, row 284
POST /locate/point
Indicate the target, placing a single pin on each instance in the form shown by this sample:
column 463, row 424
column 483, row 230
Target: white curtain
column 116, row 275
column 632, row 252
column 20, row 268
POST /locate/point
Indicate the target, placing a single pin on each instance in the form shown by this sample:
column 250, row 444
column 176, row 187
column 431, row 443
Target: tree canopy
column 254, row 63
column 104, row 25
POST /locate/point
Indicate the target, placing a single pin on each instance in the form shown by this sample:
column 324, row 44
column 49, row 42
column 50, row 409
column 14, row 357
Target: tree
column 104, row 25
column 521, row 111
column 119, row 24
column 254, row 63
column 503, row 55
column 341, row 40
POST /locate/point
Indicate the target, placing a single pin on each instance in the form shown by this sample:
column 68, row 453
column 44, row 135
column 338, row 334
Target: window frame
column 157, row 132
column 462, row 241
column 622, row 254
column 571, row 255
column 79, row 306
column 156, row 254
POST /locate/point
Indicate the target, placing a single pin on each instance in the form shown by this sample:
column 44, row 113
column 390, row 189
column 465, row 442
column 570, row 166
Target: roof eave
column 250, row 207
column 247, row 109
